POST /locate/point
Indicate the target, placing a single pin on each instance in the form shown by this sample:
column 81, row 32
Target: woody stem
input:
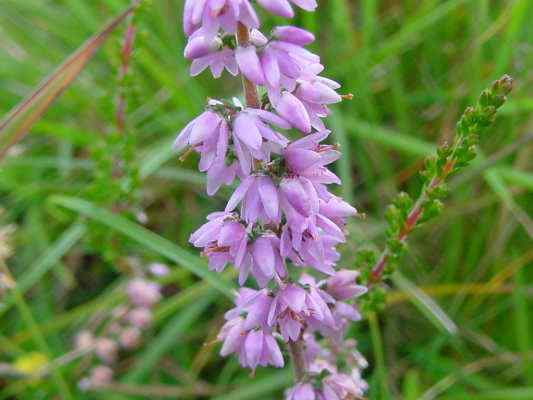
column 250, row 91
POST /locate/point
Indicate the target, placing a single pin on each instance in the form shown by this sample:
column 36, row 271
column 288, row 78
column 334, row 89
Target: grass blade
column 260, row 387
column 22, row 117
column 43, row 264
column 147, row 238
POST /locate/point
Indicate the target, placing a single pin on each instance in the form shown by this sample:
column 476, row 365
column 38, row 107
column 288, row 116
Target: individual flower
column 200, row 44
column 288, row 310
column 216, row 61
column 260, row 200
column 342, row 286
column 254, row 138
column 293, row 34
column 253, row 347
column 302, row 391
column 283, row 7
column 106, row 349
column 140, row 317
column 213, row 15
column 316, row 93
column 143, row 293
column 100, row 376
column 223, row 238
column 293, row 110
column 208, row 134
column 341, row 386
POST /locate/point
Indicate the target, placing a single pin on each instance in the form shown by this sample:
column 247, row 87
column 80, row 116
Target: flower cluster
column 282, row 212
column 123, row 329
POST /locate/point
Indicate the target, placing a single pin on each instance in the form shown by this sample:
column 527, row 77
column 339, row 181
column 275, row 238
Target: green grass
column 412, row 65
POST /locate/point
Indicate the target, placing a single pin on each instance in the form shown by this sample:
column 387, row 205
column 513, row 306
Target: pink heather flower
column 340, row 386
column 216, row 61
column 342, row 285
column 106, row 349
column 100, row 376
column 262, row 260
column 143, row 293
column 288, row 309
column 158, row 269
column 282, row 209
column 260, row 200
column 208, row 134
column 336, row 210
column 253, row 347
column 223, row 239
column 316, row 93
column 84, row 340
column 302, row 391
column 253, row 137
column 249, row 64
column 130, row 337
column 294, row 35
column 201, row 44
column 293, row 110
column 283, row 7
column 307, row 157
column 212, row 15
column 140, row 317
column 253, row 305
column 288, row 61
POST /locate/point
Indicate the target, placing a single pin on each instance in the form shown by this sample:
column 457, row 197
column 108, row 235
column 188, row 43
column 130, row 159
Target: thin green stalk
column 38, row 337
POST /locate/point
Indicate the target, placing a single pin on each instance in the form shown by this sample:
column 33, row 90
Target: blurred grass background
column 458, row 319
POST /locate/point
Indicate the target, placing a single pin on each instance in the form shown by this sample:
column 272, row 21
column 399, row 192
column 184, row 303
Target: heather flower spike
column 281, row 219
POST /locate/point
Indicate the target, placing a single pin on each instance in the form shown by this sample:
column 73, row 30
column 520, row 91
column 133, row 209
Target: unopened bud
column 100, row 376
column 84, row 340
column 143, row 293
column 140, row 317
column 106, row 349
column 158, row 269
column 130, row 338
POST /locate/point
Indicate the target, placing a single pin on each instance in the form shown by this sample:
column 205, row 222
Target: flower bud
column 130, row 338
column 84, row 340
column 100, row 376
column 199, row 46
column 140, row 317
column 106, row 349
column 143, row 293
column 294, row 35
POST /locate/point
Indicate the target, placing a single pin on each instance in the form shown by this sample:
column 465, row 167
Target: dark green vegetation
column 457, row 322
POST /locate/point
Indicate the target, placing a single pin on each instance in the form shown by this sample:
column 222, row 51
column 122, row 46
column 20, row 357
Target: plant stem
column 296, row 351
column 250, row 91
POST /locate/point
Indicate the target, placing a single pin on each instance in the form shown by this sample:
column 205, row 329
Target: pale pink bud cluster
column 122, row 329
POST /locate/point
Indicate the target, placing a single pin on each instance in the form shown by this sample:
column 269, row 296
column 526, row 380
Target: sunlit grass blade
column 427, row 306
column 390, row 138
column 21, row 118
column 147, row 238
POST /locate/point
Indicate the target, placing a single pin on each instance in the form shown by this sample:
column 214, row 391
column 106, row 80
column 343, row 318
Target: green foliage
column 76, row 186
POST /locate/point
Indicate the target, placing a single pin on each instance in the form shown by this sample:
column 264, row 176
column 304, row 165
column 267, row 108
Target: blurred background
column 79, row 188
